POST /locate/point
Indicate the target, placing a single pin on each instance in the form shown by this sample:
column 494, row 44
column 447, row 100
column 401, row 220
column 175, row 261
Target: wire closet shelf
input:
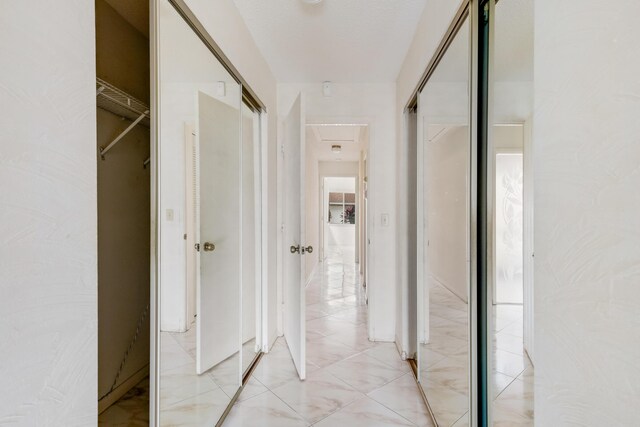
column 120, row 103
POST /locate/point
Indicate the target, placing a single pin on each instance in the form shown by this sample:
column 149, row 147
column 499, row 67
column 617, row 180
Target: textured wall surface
column 587, row 222
column 48, row 307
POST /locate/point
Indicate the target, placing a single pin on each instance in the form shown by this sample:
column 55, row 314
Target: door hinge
column 282, row 148
column 282, row 227
column 184, row 236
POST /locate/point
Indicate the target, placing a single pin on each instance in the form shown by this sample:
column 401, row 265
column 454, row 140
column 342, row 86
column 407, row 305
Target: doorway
column 124, row 197
column 340, row 226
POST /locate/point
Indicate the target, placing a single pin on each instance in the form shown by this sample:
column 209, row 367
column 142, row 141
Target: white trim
column 264, row 229
column 528, row 241
column 370, row 220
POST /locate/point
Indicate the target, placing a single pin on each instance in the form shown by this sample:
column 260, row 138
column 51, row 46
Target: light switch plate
column 384, row 219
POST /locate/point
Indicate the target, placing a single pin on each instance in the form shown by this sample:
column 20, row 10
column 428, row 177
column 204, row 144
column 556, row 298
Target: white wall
column 433, row 24
column 186, row 67
column 48, row 248
column 372, row 104
column 447, row 210
column 225, row 24
column 587, row 212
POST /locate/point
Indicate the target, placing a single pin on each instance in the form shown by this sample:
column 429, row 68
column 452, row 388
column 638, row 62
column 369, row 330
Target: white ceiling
column 337, row 40
column 351, row 138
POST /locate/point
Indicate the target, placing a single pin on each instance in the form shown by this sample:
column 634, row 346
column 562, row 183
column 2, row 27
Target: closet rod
column 146, row 162
column 104, row 150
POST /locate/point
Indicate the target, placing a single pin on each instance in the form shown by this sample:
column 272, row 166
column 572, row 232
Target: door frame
column 323, row 211
column 369, row 220
column 527, row 232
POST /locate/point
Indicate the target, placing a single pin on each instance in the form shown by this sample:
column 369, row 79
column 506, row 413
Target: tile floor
column 351, row 381
column 444, row 363
column 186, row 399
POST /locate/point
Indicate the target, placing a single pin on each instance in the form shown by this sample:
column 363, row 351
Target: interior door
column 294, row 235
column 218, row 232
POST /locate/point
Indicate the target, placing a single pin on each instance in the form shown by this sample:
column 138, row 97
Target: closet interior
column 123, row 177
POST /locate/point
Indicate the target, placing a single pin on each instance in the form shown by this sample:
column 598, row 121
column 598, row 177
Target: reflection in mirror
column 200, row 204
column 251, row 232
column 512, row 369
column 443, row 274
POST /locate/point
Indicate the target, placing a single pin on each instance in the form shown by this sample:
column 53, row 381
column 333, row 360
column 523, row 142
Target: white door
column 218, row 232
column 294, row 234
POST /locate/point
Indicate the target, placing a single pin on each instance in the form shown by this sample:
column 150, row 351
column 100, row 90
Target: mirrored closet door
column 209, row 202
column 251, row 238
column 511, row 215
column 444, row 235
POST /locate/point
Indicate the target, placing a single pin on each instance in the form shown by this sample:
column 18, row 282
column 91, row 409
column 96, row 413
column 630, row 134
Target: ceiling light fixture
column 311, row 1
column 336, row 148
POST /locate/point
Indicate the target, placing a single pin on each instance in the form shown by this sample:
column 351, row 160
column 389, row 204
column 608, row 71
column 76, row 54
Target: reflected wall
column 511, row 104
column 209, row 227
column 443, row 241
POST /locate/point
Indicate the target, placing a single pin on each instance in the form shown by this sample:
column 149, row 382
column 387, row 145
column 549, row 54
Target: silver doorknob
column 308, row 249
column 209, row 247
column 294, row 249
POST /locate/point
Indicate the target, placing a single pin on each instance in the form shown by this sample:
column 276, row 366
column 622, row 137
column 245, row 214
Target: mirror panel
column 510, row 180
column 444, row 209
column 251, row 237
column 200, row 203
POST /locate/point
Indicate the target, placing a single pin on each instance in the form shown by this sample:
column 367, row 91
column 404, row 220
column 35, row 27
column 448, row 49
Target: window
column 342, row 208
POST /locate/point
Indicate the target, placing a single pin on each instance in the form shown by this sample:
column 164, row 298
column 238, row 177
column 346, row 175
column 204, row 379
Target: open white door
column 218, row 232
column 294, row 235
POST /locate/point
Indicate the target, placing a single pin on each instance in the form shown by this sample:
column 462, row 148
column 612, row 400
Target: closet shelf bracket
column 120, row 103
column 103, row 150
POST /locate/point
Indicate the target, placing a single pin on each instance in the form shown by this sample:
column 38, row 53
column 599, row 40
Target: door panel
column 294, row 234
column 218, row 291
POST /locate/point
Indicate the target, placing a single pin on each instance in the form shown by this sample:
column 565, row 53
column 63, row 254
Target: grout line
column 389, row 408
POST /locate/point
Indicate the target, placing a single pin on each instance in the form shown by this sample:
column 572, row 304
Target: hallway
column 350, row 380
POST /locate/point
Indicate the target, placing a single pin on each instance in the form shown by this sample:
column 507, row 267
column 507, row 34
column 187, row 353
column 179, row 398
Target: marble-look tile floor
column 351, row 381
column 444, row 363
column 186, row 398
